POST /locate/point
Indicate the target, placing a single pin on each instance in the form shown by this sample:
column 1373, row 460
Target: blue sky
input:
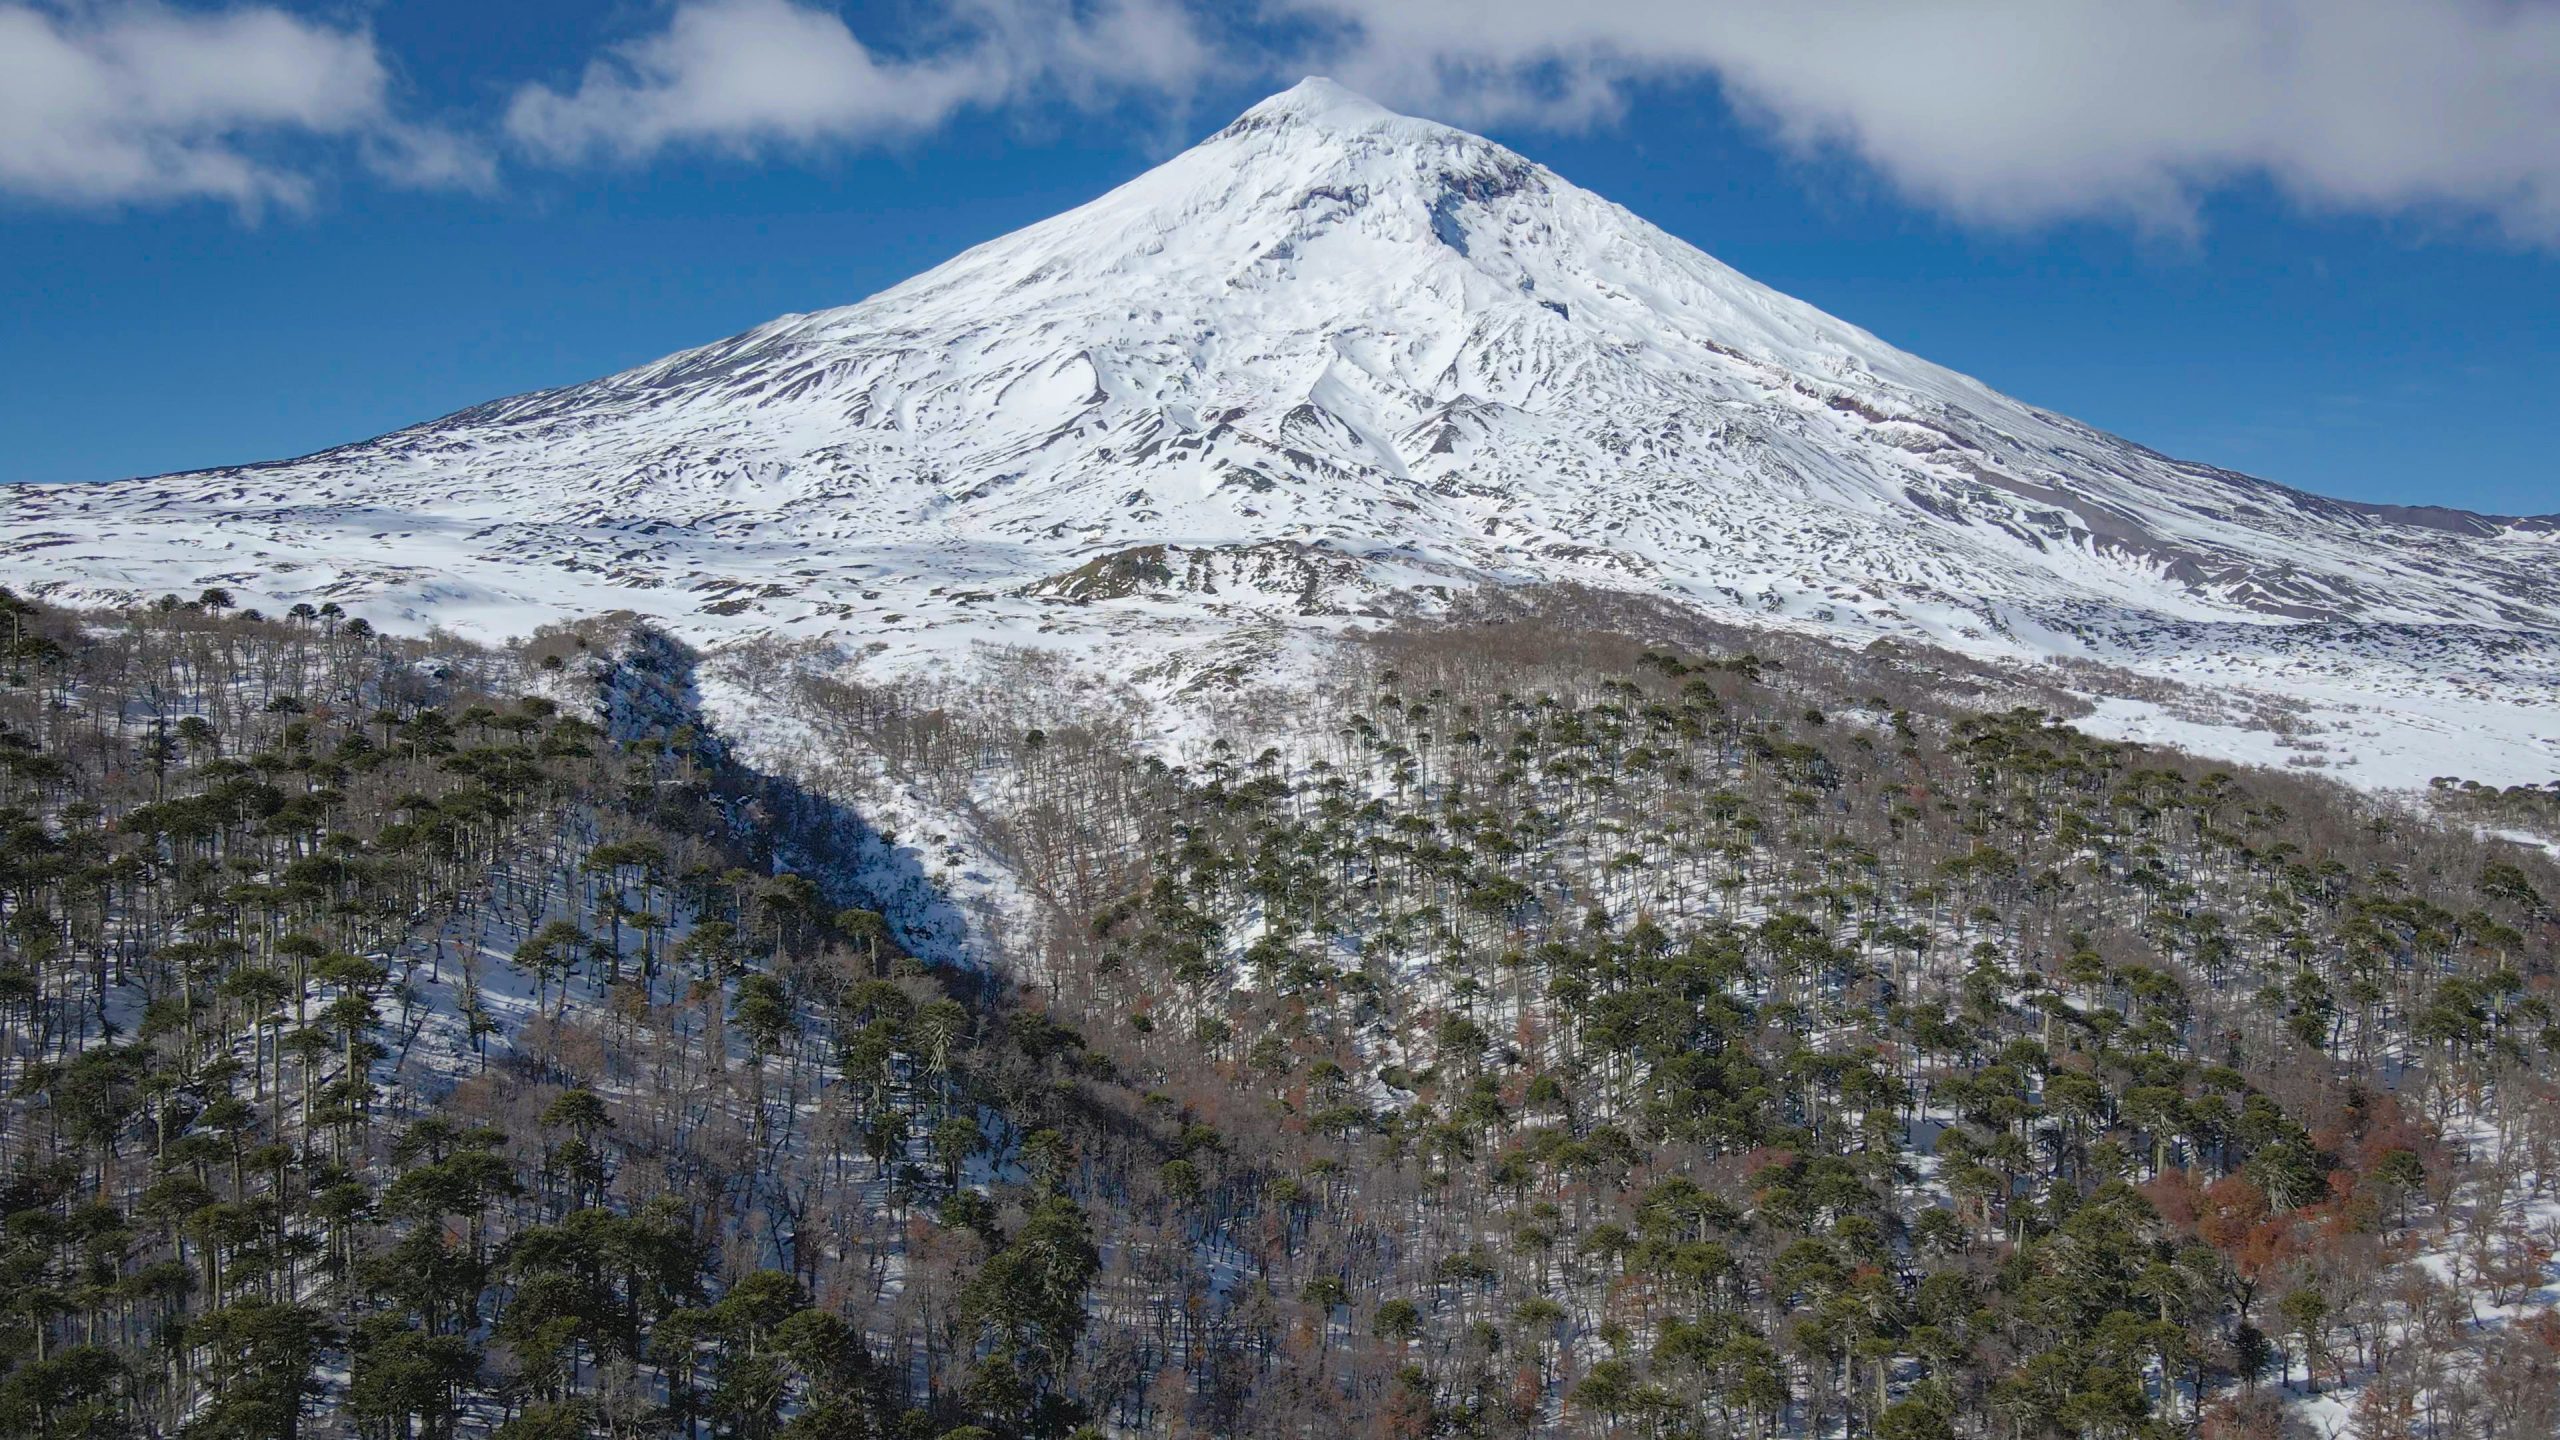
column 409, row 208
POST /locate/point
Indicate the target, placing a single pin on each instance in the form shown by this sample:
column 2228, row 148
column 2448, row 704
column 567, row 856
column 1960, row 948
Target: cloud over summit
column 2027, row 111
column 1992, row 112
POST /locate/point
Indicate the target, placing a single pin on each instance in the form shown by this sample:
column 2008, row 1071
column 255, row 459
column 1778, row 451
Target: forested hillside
column 1561, row 1022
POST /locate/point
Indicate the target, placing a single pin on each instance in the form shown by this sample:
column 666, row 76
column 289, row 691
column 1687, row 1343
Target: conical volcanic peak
column 1322, row 104
column 1346, row 333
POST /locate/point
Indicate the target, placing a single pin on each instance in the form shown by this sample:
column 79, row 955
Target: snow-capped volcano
column 1328, row 353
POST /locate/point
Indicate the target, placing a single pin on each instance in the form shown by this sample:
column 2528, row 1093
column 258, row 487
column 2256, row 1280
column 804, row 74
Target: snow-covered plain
column 1335, row 363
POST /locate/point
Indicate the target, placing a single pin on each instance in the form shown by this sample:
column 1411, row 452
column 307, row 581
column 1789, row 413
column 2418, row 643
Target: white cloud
column 748, row 75
column 2024, row 111
column 1993, row 111
column 133, row 103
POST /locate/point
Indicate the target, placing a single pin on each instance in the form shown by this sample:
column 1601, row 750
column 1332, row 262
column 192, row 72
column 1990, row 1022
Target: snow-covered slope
column 1335, row 359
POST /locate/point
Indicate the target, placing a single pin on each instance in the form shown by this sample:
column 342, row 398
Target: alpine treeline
column 1553, row 1024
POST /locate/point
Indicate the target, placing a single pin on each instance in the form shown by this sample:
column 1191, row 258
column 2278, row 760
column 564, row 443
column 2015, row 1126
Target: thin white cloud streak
column 2013, row 112
column 746, row 76
column 141, row 103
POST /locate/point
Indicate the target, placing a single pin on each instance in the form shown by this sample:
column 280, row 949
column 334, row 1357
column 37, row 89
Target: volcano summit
column 1334, row 362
